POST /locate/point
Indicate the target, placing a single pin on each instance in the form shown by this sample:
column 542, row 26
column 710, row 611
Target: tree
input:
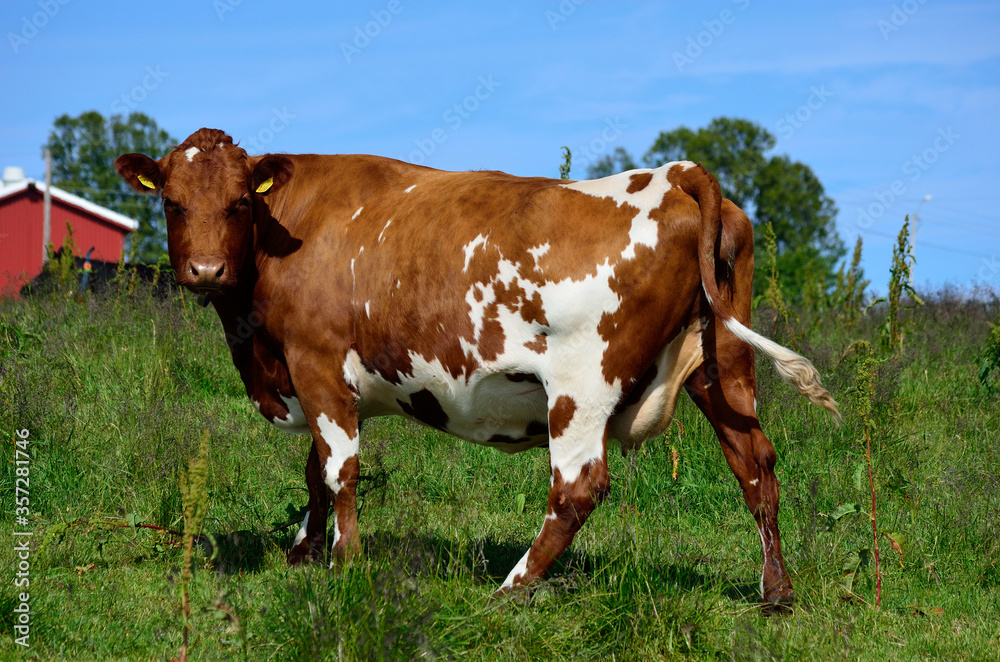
column 84, row 150
column 617, row 161
column 770, row 189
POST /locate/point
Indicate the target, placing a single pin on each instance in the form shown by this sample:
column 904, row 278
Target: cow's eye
column 172, row 207
column 241, row 205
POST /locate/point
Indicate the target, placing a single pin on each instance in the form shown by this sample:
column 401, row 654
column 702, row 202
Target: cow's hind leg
column 724, row 387
column 580, row 480
column 310, row 542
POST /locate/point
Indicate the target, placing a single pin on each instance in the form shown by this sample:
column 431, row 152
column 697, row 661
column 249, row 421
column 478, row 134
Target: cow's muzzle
column 205, row 274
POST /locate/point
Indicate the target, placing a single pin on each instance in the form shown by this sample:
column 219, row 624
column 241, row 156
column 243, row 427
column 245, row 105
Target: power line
column 952, row 210
column 925, row 244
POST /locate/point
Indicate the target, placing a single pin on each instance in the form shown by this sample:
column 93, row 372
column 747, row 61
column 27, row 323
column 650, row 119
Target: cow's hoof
column 300, row 555
column 779, row 601
column 520, row 594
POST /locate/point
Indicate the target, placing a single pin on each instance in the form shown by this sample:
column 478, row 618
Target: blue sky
column 887, row 102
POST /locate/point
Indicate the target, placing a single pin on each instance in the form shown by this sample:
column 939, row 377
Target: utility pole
column 47, row 214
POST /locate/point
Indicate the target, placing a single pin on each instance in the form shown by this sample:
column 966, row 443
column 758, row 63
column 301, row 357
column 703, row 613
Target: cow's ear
column 140, row 172
column 270, row 173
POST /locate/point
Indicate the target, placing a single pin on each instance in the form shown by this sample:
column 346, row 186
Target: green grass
column 117, row 390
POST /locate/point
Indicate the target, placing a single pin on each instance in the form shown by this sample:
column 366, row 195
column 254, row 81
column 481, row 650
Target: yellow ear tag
column 265, row 185
column 145, row 182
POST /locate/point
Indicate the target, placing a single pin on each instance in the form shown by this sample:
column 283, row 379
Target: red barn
column 22, row 218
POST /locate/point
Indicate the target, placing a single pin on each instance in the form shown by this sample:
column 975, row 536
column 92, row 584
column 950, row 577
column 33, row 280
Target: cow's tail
column 795, row 369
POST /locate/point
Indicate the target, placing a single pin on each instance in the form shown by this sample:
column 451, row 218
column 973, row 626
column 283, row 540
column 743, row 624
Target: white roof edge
column 76, row 201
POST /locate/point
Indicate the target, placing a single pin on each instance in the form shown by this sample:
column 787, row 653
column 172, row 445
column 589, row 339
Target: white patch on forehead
column 471, row 247
column 220, row 145
column 410, row 189
column 357, row 212
column 190, row 152
column 368, row 308
column 342, row 445
column 382, row 233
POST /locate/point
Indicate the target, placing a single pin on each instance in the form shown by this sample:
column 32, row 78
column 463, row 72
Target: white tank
column 12, row 175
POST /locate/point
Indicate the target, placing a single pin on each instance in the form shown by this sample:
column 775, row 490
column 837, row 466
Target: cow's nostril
column 206, row 272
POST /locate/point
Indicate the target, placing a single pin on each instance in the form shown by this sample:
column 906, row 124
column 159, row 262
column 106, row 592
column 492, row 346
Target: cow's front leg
column 337, row 446
column 580, row 480
column 332, row 415
column 310, row 542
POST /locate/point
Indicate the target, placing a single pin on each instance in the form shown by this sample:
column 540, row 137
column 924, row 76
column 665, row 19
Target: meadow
column 118, row 388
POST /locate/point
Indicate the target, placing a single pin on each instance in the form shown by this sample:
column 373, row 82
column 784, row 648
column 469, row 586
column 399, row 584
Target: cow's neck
column 240, row 319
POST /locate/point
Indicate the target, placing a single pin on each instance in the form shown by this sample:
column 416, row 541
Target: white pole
column 47, row 214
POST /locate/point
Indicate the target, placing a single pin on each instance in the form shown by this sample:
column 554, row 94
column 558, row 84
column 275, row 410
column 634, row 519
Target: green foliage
column 772, row 291
column 864, row 384
column 63, row 266
column 849, row 292
column 617, row 161
column 567, row 163
column 864, row 388
column 900, row 277
column 84, row 149
column 989, row 365
column 194, row 499
column 770, row 189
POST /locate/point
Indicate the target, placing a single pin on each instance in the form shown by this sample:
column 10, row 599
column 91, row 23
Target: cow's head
column 209, row 188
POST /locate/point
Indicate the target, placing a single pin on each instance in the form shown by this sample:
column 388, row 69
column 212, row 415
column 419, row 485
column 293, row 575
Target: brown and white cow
column 512, row 312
